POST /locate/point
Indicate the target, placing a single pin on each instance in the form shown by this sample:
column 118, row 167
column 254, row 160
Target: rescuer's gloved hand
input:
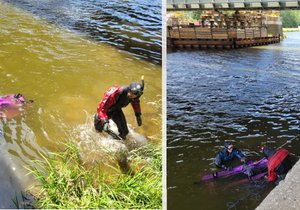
column 138, row 118
column 229, row 168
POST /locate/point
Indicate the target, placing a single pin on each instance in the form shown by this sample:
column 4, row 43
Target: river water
column 250, row 96
column 66, row 73
column 132, row 26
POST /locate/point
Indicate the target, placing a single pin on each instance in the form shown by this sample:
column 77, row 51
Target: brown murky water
column 66, row 74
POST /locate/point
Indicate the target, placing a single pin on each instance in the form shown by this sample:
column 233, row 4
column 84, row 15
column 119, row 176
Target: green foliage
column 228, row 12
column 195, row 15
column 69, row 185
column 290, row 19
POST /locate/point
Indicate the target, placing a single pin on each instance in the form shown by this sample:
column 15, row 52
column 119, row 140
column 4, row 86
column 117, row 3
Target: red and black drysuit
column 279, row 163
column 111, row 108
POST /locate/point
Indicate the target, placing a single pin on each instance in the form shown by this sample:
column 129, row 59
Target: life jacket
column 274, row 161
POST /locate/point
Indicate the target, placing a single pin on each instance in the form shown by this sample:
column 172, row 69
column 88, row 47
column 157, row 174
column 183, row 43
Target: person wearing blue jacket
column 228, row 153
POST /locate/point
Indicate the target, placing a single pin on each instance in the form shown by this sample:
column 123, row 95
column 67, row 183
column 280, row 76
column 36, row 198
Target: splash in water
column 100, row 146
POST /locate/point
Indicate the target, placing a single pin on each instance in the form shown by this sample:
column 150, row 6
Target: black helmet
column 136, row 88
column 227, row 144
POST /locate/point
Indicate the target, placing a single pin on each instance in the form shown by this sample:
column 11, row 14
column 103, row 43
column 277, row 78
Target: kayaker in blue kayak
column 228, row 153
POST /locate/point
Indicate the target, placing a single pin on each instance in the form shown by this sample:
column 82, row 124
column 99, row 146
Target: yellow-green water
column 66, row 75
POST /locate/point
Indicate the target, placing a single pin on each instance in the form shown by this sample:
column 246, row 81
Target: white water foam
column 95, row 147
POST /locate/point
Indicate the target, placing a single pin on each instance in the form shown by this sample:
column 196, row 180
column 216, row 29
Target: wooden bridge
column 219, row 37
column 232, row 4
column 217, row 30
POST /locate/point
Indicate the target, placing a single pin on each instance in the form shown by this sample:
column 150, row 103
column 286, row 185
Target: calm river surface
column 133, row 26
column 247, row 95
column 66, row 73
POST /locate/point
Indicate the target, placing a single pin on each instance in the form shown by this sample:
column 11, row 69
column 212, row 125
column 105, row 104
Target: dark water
column 133, row 26
column 248, row 95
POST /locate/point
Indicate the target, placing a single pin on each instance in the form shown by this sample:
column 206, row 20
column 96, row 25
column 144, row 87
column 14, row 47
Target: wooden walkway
column 199, row 37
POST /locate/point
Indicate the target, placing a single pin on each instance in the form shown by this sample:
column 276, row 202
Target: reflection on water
column 247, row 95
column 66, row 75
column 133, row 26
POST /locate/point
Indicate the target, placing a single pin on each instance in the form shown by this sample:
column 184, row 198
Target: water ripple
column 250, row 96
column 132, row 26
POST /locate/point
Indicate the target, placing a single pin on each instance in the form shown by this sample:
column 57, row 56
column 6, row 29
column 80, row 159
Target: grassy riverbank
column 66, row 183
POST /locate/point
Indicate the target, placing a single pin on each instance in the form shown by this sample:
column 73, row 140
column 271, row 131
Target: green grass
column 65, row 183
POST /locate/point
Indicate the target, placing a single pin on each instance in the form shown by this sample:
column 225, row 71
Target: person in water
column 111, row 106
column 279, row 163
column 228, row 153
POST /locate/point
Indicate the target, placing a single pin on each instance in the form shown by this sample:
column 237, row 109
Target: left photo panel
column 81, row 104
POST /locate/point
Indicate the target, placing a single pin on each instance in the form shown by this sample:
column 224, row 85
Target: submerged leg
column 120, row 120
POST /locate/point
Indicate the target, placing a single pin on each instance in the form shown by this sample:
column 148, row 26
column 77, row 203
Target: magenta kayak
column 12, row 105
column 236, row 170
column 12, row 101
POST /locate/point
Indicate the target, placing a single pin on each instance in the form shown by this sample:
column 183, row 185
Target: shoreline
column 290, row 29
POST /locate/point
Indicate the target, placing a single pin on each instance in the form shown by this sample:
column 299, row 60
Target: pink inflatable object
column 12, row 101
column 11, row 105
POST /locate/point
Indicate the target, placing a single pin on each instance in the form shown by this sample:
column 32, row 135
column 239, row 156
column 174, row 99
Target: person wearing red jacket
column 279, row 163
column 115, row 98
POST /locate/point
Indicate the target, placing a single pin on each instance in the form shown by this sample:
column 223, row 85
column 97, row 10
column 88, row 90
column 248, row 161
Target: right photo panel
column 233, row 111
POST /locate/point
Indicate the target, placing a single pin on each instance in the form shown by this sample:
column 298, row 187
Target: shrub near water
column 69, row 185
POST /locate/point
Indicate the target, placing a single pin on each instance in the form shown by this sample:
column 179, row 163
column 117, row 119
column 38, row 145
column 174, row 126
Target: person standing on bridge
column 115, row 98
column 228, row 153
column 279, row 163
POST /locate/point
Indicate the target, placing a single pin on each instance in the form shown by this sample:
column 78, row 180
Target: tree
column 290, row 19
column 195, row 15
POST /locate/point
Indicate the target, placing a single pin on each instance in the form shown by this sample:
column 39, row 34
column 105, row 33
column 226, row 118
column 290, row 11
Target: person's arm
column 219, row 161
column 137, row 110
column 272, row 175
column 136, row 105
column 108, row 100
column 239, row 155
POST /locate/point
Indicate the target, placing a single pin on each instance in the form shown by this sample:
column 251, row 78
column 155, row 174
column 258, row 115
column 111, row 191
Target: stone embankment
column 285, row 196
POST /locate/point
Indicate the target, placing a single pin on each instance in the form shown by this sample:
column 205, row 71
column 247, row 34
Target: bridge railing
column 192, row 32
column 224, row 1
column 232, row 4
